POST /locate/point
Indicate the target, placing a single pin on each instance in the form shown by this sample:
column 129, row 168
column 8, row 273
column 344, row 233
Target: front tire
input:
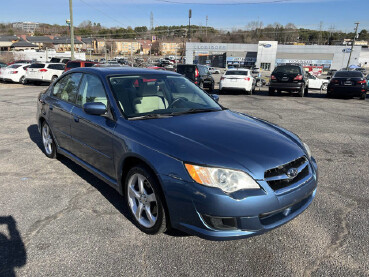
column 144, row 200
column 53, row 79
column 48, row 141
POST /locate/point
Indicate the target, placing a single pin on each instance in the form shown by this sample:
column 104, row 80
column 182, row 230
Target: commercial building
column 29, row 27
column 268, row 54
column 170, row 48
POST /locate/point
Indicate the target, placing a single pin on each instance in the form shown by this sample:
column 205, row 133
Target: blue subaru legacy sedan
column 179, row 159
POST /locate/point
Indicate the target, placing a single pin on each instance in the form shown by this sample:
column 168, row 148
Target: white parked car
column 14, row 73
column 316, row 83
column 237, row 79
column 44, row 72
column 213, row 70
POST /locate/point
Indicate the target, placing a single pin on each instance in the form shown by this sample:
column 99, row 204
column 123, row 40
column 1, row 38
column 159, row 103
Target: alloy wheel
column 47, row 139
column 142, row 200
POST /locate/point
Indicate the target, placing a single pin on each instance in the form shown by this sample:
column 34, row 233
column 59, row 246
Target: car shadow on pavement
column 108, row 192
column 12, row 250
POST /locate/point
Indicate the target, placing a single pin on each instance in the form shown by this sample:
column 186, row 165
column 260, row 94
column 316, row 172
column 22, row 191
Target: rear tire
column 144, row 200
column 306, row 91
column 301, row 92
column 22, row 80
column 48, row 141
column 363, row 96
column 271, row 92
column 211, row 87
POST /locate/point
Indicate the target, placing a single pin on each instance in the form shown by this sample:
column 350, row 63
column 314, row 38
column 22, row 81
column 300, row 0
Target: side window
column 66, row 88
column 91, row 90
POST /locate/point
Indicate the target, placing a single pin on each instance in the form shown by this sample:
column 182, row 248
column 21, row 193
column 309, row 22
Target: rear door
column 55, row 70
column 92, row 135
column 61, row 103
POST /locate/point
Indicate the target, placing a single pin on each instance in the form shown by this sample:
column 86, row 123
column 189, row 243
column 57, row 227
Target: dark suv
column 199, row 74
column 290, row 78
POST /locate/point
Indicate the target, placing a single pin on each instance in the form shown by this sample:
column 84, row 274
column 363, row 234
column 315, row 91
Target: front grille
column 278, row 178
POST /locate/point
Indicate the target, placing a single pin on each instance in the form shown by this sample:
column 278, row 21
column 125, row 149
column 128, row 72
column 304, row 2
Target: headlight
column 226, row 179
column 307, row 148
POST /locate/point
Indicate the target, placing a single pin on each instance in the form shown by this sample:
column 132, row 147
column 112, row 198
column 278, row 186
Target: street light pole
column 352, row 45
column 71, row 30
column 189, row 24
column 206, row 30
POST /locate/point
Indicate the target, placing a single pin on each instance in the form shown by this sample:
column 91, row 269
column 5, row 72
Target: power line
column 224, row 4
column 93, row 7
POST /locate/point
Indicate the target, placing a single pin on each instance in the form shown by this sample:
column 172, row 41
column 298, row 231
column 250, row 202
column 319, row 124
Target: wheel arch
column 132, row 160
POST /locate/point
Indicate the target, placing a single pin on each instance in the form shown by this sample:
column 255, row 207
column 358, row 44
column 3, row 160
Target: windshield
column 159, row 95
column 237, row 72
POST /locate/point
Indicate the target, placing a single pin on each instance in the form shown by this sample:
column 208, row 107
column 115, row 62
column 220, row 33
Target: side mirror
column 215, row 97
column 94, row 108
column 328, row 78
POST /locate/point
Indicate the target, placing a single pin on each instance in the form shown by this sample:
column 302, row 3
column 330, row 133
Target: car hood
column 223, row 138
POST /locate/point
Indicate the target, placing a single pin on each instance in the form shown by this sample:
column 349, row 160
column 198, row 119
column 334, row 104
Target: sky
column 337, row 14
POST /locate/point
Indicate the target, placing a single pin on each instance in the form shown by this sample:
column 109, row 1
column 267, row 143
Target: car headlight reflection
column 307, row 148
column 227, row 180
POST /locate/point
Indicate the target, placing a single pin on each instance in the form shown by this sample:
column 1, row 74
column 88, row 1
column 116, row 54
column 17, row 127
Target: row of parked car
column 25, row 72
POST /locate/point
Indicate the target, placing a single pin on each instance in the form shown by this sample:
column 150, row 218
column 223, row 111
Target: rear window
column 73, row 64
column 56, row 66
column 348, row 74
column 37, row 65
column 288, row 69
column 55, row 60
column 15, row 66
column 89, row 64
column 237, row 72
column 185, row 69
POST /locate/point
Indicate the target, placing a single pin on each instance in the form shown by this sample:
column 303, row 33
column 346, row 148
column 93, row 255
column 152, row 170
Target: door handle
column 76, row 119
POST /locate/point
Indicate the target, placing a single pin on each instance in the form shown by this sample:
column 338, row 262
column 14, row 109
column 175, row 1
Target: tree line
column 252, row 33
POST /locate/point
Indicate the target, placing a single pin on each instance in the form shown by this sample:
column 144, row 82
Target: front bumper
column 254, row 212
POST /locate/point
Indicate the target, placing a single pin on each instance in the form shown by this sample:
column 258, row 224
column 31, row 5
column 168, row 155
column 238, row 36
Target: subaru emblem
column 292, row 172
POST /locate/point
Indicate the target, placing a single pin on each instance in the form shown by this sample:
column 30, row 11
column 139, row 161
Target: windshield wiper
column 195, row 111
column 150, row 116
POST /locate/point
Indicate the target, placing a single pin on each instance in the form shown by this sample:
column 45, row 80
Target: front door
column 92, row 134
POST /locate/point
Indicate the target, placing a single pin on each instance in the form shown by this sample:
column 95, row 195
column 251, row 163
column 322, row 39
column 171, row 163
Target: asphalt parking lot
column 56, row 219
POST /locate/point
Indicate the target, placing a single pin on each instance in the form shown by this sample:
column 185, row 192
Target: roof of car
column 239, row 69
column 105, row 71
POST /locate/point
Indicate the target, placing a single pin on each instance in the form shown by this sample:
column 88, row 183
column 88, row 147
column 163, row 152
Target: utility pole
column 71, row 30
column 352, row 45
column 106, row 55
column 206, row 30
column 189, row 24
